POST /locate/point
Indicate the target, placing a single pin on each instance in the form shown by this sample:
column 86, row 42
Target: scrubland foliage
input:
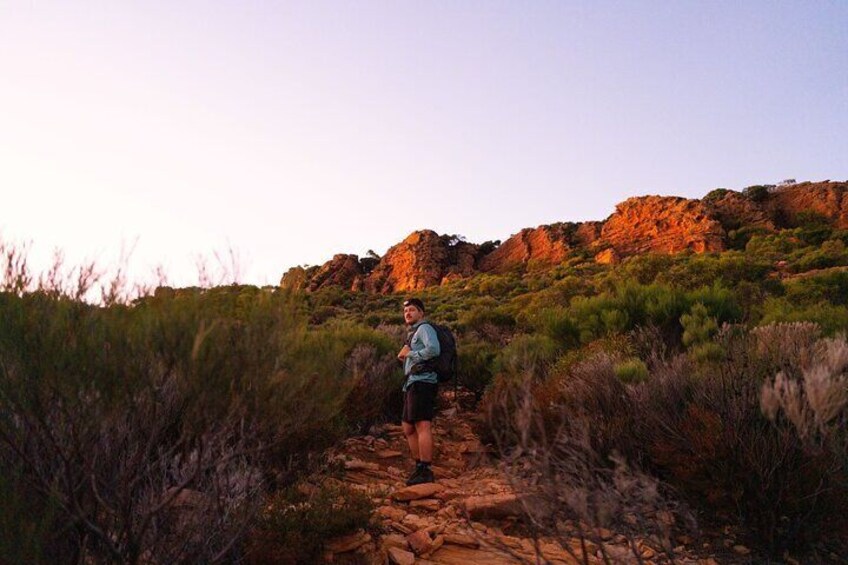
column 645, row 397
column 152, row 430
column 758, row 432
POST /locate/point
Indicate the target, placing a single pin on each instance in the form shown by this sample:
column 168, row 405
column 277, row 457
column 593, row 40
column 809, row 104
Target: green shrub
column 557, row 324
column 698, row 326
column 526, row 355
column 758, row 192
column 715, row 194
column 738, row 239
column 632, row 371
column 774, row 246
column 828, row 287
column 831, row 253
column 490, row 321
column 296, row 523
column 476, row 366
column 832, row 318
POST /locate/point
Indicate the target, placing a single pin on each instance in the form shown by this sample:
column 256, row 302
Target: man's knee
column 422, row 427
column 408, row 429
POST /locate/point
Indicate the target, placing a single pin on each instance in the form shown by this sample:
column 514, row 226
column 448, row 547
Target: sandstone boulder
column 341, row 271
column 827, row 199
column 421, row 260
column 400, row 556
column 417, row 491
column 420, row 542
column 391, row 513
column 662, row 224
column 545, row 245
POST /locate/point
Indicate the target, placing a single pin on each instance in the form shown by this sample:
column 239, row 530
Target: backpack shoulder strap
column 411, row 333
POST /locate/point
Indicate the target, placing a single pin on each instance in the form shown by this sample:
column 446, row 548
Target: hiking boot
column 413, row 476
column 420, row 476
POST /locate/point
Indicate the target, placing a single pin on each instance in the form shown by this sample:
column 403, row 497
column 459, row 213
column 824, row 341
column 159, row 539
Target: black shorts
column 419, row 402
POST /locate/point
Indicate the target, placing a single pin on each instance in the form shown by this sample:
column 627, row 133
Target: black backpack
column 444, row 365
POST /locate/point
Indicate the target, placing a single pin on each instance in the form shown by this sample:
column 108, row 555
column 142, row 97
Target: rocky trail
column 470, row 515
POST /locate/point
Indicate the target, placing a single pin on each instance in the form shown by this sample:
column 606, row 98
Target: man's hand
column 403, row 353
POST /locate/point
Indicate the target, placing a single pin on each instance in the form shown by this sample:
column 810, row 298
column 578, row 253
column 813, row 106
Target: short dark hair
column 414, row 302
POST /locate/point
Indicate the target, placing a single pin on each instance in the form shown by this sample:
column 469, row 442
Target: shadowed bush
column 705, row 431
column 756, row 432
column 297, row 522
column 151, row 430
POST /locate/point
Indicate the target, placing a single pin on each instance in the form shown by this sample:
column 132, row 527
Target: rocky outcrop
column 662, row 224
column 826, row 199
column 733, row 210
column 341, row 270
column 543, row 246
column 423, row 259
column 659, row 224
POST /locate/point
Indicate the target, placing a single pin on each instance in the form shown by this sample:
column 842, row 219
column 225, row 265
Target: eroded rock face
column 423, row 259
column 544, row 246
column 657, row 224
column 733, row 210
column 662, row 224
column 608, row 257
column 341, row 270
column 827, row 199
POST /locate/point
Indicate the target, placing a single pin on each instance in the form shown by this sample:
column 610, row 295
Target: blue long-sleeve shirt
column 424, row 345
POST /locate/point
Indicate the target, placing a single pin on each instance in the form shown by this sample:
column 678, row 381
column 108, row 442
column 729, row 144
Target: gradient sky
column 290, row 131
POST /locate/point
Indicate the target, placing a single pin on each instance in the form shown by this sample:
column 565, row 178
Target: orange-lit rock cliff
column 657, row 224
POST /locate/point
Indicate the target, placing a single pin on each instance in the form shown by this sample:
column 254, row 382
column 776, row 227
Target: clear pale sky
column 290, row 131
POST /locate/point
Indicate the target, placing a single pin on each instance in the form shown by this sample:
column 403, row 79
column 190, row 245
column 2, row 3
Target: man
column 420, row 389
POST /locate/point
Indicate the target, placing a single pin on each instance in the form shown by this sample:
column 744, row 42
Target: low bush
column 476, row 366
column 526, row 355
column 832, row 318
column 632, row 371
column 296, row 523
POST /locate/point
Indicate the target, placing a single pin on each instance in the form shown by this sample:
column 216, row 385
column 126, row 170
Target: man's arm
column 431, row 344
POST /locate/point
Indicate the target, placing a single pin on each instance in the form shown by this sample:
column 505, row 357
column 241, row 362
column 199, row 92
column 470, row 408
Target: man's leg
column 424, row 433
column 410, row 431
column 424, row 440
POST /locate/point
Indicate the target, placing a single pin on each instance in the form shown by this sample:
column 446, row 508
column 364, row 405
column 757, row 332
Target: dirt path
column 471, row 515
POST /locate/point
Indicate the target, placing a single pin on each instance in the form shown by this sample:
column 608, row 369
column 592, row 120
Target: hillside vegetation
column 155, row 429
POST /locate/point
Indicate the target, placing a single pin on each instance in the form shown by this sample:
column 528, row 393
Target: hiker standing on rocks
column 420, row 389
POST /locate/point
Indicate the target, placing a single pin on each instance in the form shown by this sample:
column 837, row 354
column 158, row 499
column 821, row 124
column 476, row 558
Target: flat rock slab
column 400, row 556
column 387, row 453
column 394, row 540
column 430, row 504
column 458, row 555
column 463, row 540
column 493, row 506
column 417, row 491
column 391, row 513
column 359, row 465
